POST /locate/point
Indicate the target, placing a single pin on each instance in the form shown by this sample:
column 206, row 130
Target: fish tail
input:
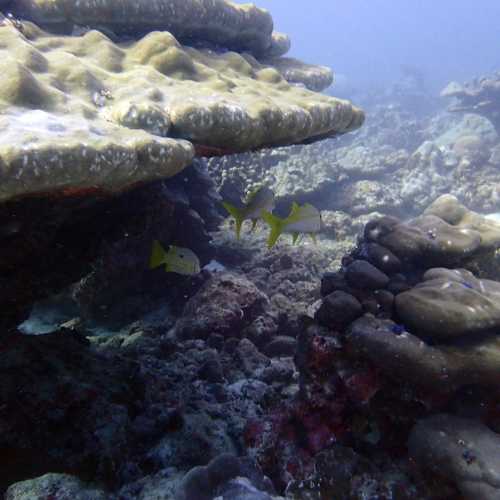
column 158, row 255
column 295, row 237
column 237, row 214
column 313, row 237
column 276, row 224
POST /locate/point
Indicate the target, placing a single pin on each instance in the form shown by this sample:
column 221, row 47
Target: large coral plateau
column 481, row 96
column 242, row 27
column 87, row 112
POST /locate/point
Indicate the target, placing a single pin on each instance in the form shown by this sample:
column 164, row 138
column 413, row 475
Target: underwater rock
column 281, row 346
column 103, row 244
column 261, row 330
column 426, row 175
column 382, row 258
column 225, row 305
column 60, row 486
column 65, row 407
column 426, row 239
column 459, row 158
column 363, row 275
column 472, row 148
column 332, row 281
column 321, row 172
column 197, row 439
column 440, row 368
column 163, row 485
column 450, row 303
column 481, row 96
column 461, row 450
column 338, row 310
column 252, row 362
column 362, row 196
column 201, row 482
column 242, row 489
column 448, row 208
column 341, row 473
column 226, row 477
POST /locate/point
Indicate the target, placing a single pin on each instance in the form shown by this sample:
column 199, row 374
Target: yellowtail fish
column 304, row 219
column 257, row 201
column 175, row 259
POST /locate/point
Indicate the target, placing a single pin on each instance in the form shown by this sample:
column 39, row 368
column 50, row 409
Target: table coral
column 88, row 112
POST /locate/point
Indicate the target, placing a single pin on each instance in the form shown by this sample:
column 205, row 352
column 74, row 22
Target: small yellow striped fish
column 176, row 259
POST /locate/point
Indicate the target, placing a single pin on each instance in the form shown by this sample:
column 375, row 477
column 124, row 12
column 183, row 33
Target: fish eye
column 181, row 255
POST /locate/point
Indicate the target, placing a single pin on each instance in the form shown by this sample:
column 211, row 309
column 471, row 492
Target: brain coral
column 83, row 111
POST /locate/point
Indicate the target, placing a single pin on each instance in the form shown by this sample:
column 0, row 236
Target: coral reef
column 121, row 101
column 101, row 111
column 398, row 163
column 64, row 408
column 61, row 486
column 242, row 27
column 294, row 71
column 102, row 243
column 433, row 330
column 481, row 96
column 363, row 366
column 263, row 374
column 460, row 448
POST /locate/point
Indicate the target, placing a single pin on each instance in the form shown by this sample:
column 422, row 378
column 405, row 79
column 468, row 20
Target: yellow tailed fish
column 304, row 219
column 259, row 200
column 176, row 259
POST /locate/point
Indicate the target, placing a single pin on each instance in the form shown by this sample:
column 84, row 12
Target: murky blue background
column 369, row 40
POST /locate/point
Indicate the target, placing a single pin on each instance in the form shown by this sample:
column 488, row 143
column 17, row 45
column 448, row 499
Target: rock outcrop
column 440, row 330
column 450, row 303
column 392, row 329
column 460, row 449
column 482, row 96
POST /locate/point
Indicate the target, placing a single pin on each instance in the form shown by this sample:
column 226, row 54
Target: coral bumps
column 86, row 111
column 243, row 27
